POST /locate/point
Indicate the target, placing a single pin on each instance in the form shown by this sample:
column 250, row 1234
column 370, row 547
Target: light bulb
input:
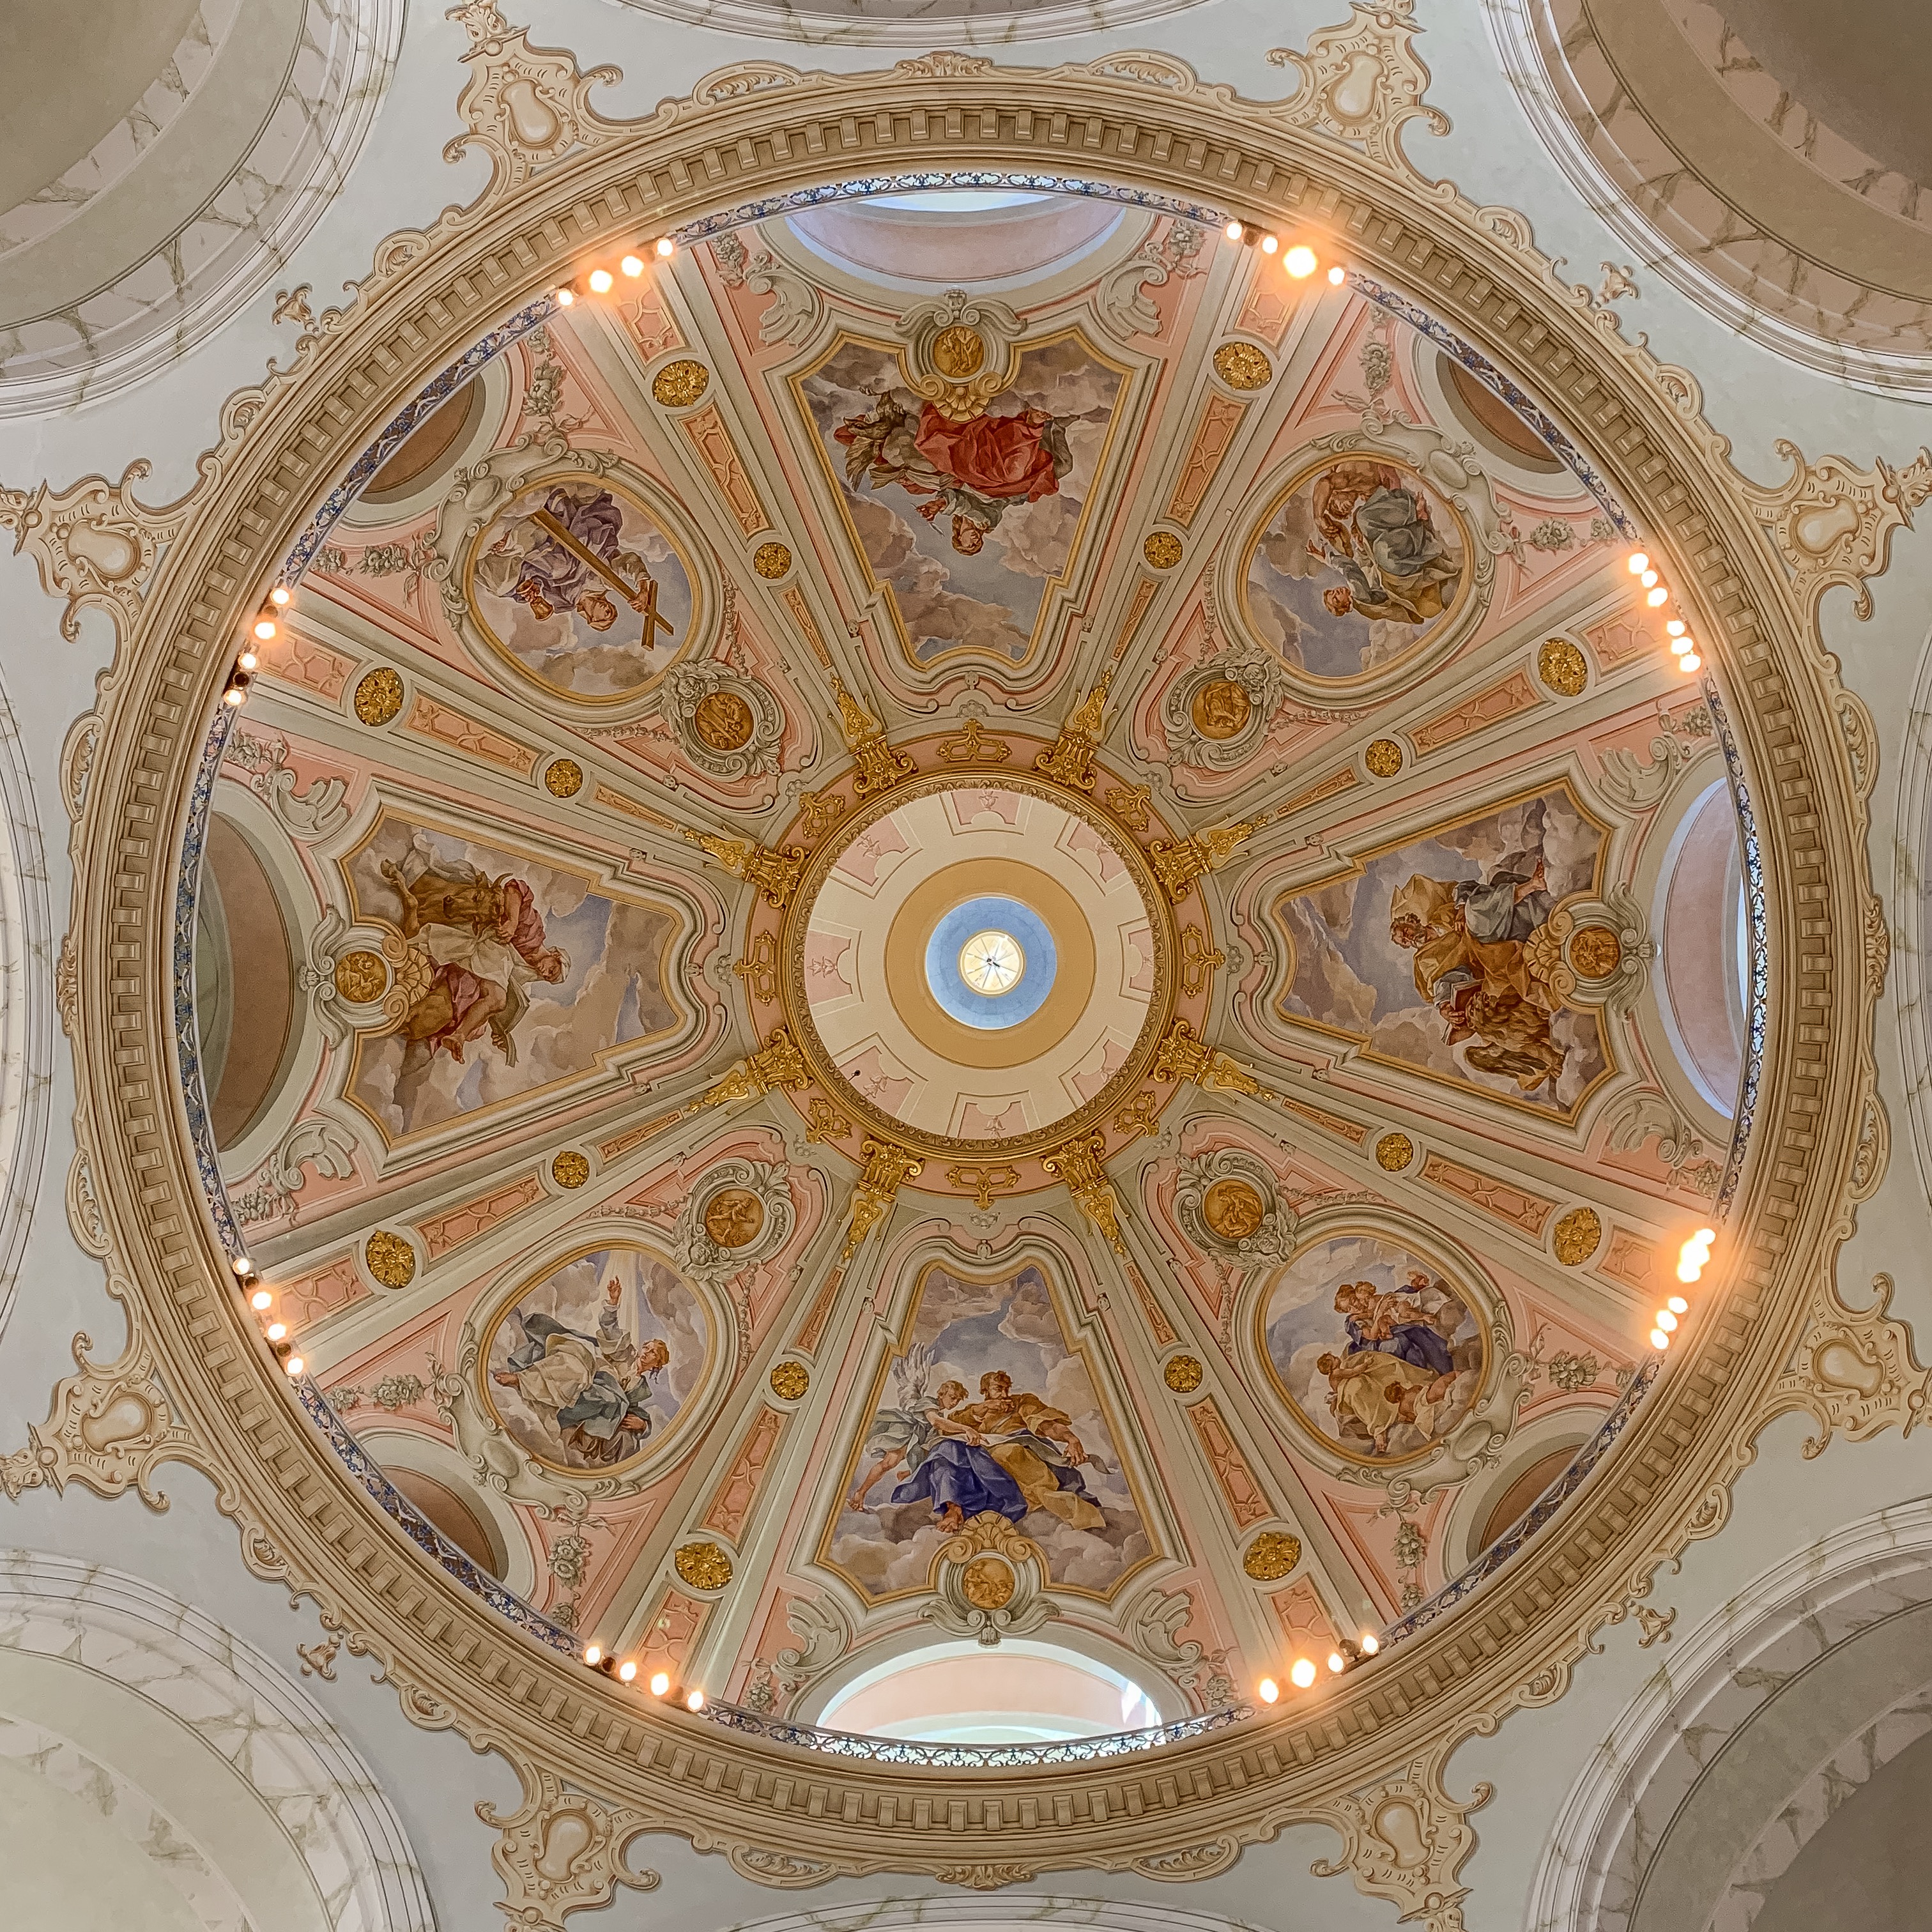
column 1371, row 1643
column 660, row 1683
column 1232, row 231
column 565, row 297
column 1690, row 661
column 246, row 661
column 667, row 247
column 1689, row 1271
column 241, row 1265
column 1639, row 562
column 235, row 693
column 280, row 594
column 1303, row 1675
column 1676, row 627
column 265, row 628
column 593, row 1653
column 1299, row 262
column 293, row 1366
column 628, row 1669
column 1656, row 598
column 1336, row 1661
column 1704, row 1237
column 1678, row 1305
column 695, row 1702
column 1338, row 275
column 260, row 1300
column 600, row 281
column 1659, row 1340
column 1269, row 243
column 1666, row 1320
column 1268, row 1690
column 632, row 266
column 276, row 1331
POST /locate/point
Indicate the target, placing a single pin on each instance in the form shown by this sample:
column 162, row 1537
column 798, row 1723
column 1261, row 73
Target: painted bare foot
column 950, row 1518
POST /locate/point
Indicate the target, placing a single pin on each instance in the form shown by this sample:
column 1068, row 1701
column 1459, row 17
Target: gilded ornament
column 988, row 1583
column 733, row 1217
column 1242, row 366
column 1221, row 709
column 958, row 352
column 1577, row 1234
column 1271, row 1555
column 1560, row 664
column 570, row 1168
column 1161, row 549
column 680, row 384
column 771, row 561
column 789, row 1380
column 704, row 1566
column 563, row 778
column 1183, row 1374
column 392, row 1260
column 1595, row 952
column 1383, row 758
column 1394, row 1152
column 724, row 720
column 378, row 696
column 1233, row 1209
column 360, row 977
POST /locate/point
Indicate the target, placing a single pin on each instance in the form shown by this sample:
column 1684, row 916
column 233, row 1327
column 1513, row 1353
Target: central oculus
column 990, row 961
column 980, row 961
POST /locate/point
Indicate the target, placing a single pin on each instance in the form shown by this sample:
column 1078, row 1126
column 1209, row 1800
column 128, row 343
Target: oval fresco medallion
column 580, row 587
column 591, row 1365
column 1375, row 1349
column 1359, row 563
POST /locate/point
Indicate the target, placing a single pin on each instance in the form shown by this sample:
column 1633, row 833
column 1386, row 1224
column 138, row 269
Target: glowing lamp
column 1303, row 1675
column 1678, row 1305
column 1657, row 597
column 1299, row 262
column 279, row 596
column 276, row 1331
column 241, row 1265
column 1659, row 1340
column 259, row 1300
column 1666, row 1320
column 695, row 1702
column 1371, row 1643
column 1336, row 1661
column 600, row 281
column 593, row 1654
column 667, row 247
column 1690, row 661
column 294, row 1366
column 1268, row 1690
column 1338, row 275
column 265, row 628
column 1232, row 231
column 660, row 1683
column 1639, row 562
column 246, row 661
column 565, row 297
column 628, row 1669
column 1269, row 243
column 632, row 266
column 1689, row 1271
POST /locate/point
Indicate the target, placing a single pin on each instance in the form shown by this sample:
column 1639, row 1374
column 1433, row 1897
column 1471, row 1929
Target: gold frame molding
column 1370, row 1749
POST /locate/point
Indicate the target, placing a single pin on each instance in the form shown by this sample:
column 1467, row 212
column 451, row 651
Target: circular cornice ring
column 794, row 1820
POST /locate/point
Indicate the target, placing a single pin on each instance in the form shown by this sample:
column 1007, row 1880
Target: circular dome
column 885, row 926
column 788, row 1321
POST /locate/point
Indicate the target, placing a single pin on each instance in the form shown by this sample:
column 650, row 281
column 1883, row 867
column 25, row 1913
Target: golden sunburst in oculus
column 991, row 963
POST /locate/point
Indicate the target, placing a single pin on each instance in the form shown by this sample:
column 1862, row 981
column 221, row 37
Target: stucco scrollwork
column 1405, row 1839
column 1853, row 1369
column 109, row 1428
column 990, row 1583
column 737, row 1215
column 525, row 106
column 561, row 1851
column 93, row 543
column 1832, row 523
column 1231, row 1207
column 1215, row 715
column 727, row 725
column 1362, row 82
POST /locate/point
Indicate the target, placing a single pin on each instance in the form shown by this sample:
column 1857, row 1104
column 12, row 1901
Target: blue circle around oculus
column 993, row 914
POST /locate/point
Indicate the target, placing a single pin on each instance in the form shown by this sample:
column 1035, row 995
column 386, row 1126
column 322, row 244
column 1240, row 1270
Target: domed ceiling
column 946, row 918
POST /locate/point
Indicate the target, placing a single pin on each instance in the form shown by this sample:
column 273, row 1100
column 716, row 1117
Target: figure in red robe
column 970, row 471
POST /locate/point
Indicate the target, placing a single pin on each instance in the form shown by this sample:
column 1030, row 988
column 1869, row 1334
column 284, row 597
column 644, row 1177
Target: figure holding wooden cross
column 568, row 556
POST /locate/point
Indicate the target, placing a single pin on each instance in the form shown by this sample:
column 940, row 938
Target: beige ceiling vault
column 1734, row 171
column 1108, row 659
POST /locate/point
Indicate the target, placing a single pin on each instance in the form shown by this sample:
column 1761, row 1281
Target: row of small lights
column 1302, row 1672
column 1691, row 1258
column 601, row 281
column 262, row 1301
column 1656, row 594
column 658, row 1683
column 235, row 692
column 1300, row 260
